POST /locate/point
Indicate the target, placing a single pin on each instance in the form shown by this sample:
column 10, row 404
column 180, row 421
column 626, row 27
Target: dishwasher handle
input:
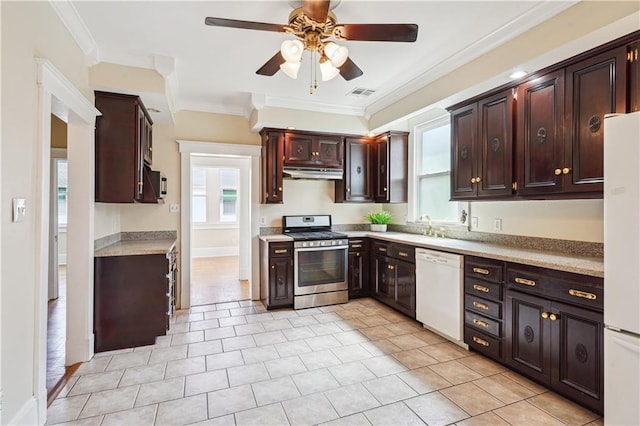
column 438, row 257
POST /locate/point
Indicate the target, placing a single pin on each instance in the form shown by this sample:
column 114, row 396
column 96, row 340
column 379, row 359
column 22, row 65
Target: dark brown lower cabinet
column 133, row 300
column 557, row 344
column 358, row 269
column 276, row 274
column 395, row 284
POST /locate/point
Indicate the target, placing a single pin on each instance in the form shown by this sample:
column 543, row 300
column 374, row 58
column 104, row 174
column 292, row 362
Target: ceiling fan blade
column 272, row 66
column 247, row 25
column 378, row 32
column 349, row 70
column 316, row 9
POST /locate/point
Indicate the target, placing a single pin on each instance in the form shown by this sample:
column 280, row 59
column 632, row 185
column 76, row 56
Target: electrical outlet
column 174, row 208
column 19, row 209
column 497, row 224
column 263, row 220
column 474, row 222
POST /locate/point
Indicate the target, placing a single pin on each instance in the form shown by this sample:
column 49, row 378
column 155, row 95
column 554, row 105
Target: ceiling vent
column 359, row 91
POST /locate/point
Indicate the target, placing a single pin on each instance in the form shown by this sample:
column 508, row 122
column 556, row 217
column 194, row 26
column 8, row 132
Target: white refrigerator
column 622, row 269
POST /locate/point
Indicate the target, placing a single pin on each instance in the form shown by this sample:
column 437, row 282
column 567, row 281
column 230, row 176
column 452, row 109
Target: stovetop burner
column 316, row 235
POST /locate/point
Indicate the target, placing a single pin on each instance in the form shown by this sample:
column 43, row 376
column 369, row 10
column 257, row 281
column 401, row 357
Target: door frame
column 58, row 96
column 248, row 235
column 54, row 237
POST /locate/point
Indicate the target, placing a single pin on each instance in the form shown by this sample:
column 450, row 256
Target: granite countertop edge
column 591, row 266
column 137, row 247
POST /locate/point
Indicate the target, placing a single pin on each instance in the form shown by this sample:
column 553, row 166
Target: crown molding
column 278, row 102
column 521, row 24
column 71, row 19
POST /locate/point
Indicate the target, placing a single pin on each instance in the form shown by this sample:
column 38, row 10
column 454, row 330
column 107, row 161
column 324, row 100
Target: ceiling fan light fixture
column 291, row 50
column 291, row 69
column 337, row 54
column 328, row 70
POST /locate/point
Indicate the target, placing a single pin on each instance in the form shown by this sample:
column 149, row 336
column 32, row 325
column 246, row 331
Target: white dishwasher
column 439, row 292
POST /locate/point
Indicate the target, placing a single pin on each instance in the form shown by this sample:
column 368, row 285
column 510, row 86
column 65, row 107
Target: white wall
column 213, row 242
column 29, row 29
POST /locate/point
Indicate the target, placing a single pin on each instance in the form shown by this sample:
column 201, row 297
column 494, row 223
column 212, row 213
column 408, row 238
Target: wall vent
column 359, row 91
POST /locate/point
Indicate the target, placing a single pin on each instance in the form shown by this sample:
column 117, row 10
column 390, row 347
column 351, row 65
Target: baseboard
column 81, row 352
column 27, row 414
column 215, row 251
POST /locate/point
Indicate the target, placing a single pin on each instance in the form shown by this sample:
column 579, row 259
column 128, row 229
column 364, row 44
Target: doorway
column 217, row 201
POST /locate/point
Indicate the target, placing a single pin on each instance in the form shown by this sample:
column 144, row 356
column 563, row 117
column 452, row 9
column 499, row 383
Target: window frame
column 214, row 199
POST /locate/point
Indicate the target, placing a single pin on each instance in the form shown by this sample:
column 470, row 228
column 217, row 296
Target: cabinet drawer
column 564, row 286
column 486, row 269
column 483, row 306
column 280, row 250
column 485, row 324
column 381, row 248
column 406, row 253
column 358, row 244
column 483, row 288
column 483, row 343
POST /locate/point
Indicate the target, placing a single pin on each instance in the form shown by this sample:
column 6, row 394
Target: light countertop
column 592, row 266
column 136, row 247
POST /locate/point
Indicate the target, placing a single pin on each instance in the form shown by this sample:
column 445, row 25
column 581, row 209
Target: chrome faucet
column 429, row 231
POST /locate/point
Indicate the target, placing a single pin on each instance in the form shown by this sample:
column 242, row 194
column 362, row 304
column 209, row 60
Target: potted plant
column 379, row 220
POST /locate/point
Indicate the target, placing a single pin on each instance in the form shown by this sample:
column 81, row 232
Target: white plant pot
column 379, row 227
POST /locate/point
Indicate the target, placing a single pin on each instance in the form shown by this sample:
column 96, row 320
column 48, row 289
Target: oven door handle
column 321, row 248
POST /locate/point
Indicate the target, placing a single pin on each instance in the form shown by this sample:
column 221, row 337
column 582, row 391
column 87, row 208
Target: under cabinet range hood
column 312, row 173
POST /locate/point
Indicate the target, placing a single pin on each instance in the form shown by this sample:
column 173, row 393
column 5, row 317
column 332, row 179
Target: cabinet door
column 381, row 184
column 633, row 83
column 595, row 87
column 494, row 175
column 528, row 335
column 384, row 275
column 328, row 151
column 405, row 294
column 272, row 165
column 148, row 153
column 299, row 150
column 358, row 184
column 358, row 276
column 464, row 128
column 280, row 281
column 540, row 139
column 577, row 352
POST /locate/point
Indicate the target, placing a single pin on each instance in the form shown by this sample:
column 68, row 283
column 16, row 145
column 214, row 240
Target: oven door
column 320, row 269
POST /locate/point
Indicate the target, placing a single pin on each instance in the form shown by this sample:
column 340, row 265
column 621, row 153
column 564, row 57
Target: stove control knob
column 304, row 244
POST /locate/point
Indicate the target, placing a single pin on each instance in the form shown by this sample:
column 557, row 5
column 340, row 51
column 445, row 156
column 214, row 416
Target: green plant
column 379, row 217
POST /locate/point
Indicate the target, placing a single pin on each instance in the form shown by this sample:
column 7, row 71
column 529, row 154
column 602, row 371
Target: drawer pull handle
column 480, row 288
column 481, row 271
column 480, row 305
column 280, row 251
column 382, row 249
column 583, row 294
column 391, row 267
column 480, row 323
column 525, row 281
column 356, row 245
column 403, row 254
column 480, row 341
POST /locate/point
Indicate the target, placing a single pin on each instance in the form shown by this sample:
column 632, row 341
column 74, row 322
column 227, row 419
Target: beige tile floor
column 359, row 363
column 215, row 280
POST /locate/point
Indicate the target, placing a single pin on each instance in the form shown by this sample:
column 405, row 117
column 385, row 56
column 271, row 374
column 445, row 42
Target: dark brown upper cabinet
column 540, row 137
column 633, row 77
column 482, row 148
column 272, row 166
column 594, row 87
column 123, row 140
column 302, row 149
column 390, row 164
column 357, row 185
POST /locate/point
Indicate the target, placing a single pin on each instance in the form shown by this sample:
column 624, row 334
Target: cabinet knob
column 348, row 189
column 391, row 267
column 544, row 315
column 566, row 171
column 384, row 189
column 478, row 179
column 280, row 188
column 273, row 266
column 557, row 172
column 553, row 317
column 357, row 254
column 473, row 180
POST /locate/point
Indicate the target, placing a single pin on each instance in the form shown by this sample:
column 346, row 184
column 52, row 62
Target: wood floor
column 215, row 280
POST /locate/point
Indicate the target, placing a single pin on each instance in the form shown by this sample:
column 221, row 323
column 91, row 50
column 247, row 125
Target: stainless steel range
column 319, row 261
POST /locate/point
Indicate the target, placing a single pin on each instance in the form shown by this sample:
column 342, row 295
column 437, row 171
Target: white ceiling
column 213, row 69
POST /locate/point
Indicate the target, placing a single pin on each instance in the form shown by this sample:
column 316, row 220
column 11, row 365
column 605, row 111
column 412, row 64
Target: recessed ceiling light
column 517, row 74
column 371, row 134
column 291, row 128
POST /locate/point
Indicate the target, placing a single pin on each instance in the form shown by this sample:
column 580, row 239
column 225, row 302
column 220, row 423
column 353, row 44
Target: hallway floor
column 215, row 280
column 56, row 331
column 359, row 363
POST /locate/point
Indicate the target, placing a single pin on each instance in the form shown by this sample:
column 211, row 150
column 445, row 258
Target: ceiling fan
column 314, row 24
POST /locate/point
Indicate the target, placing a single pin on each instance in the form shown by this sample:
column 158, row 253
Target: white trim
column 215, row 251
column 27, row 414
column 249, row 178
column 71, row 19
column 55, row 89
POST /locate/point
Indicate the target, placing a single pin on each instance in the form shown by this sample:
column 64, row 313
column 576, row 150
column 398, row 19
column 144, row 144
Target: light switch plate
column 474, row 222
column 497, row 224
column 174, row 208
column 19, row 209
